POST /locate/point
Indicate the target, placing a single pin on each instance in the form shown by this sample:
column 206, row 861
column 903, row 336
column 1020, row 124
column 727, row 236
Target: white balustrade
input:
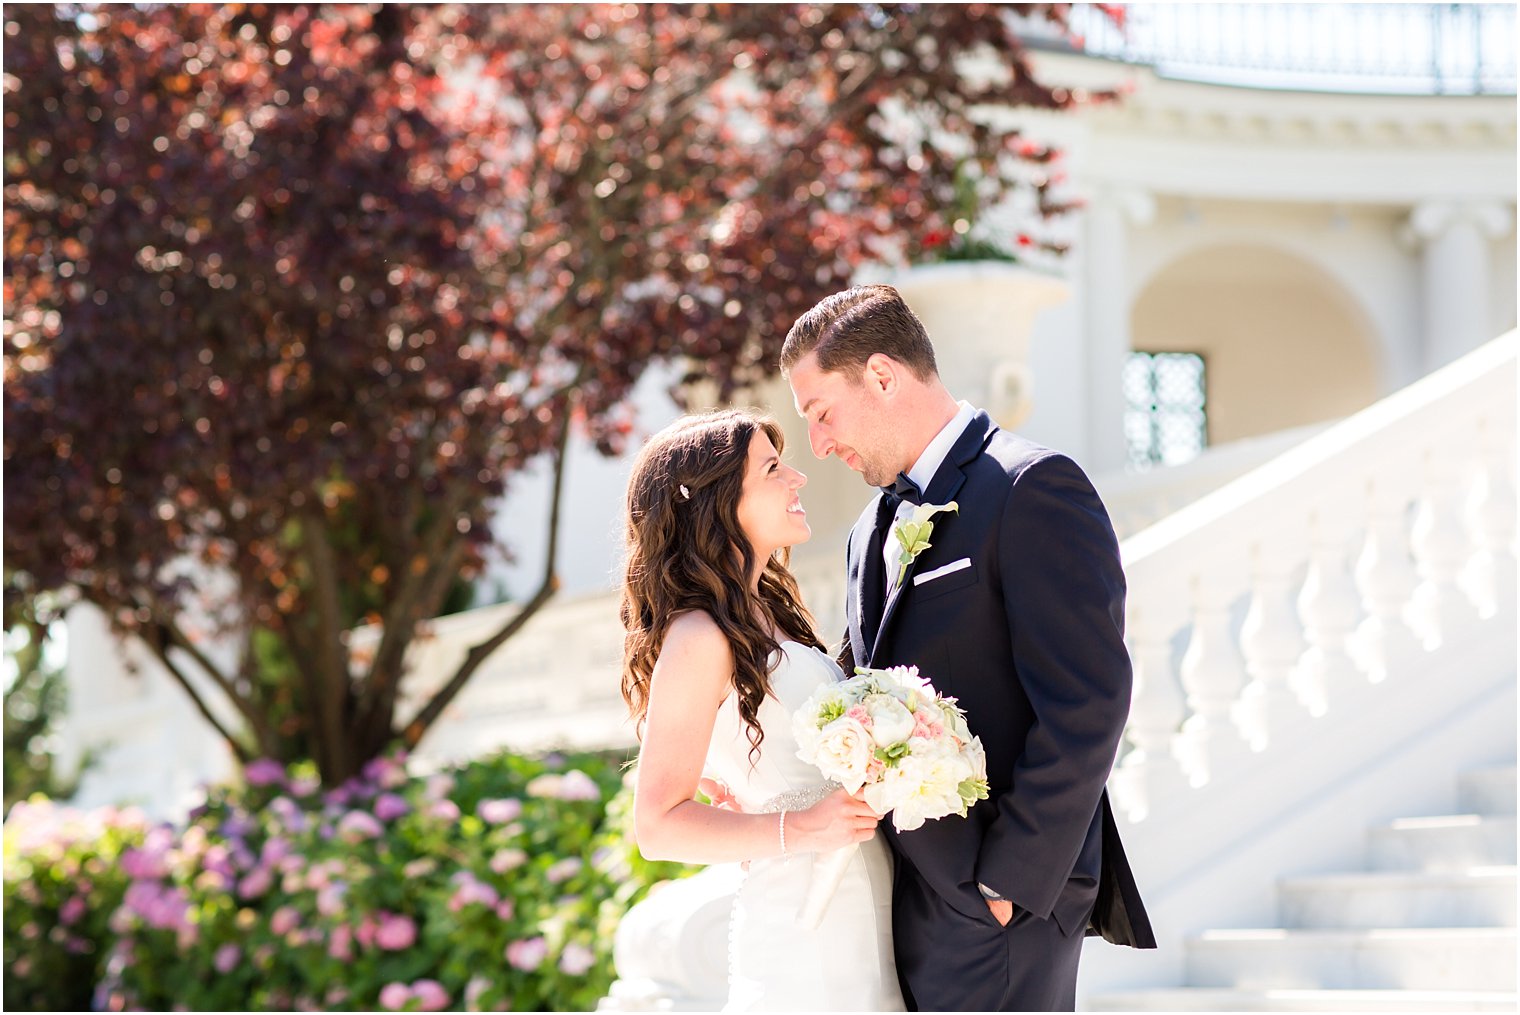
column 1213, row 674
column 1442, row 546
column 1329, row 608
column 1386, row 578
column 1272, row 643
column 1490, row 576
column 1401, row 522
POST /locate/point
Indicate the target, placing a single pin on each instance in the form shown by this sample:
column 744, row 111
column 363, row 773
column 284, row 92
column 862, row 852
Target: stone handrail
column 1366, row 545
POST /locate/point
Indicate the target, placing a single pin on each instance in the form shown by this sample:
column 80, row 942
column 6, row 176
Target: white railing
column 1421, row 49
column 1359, row 551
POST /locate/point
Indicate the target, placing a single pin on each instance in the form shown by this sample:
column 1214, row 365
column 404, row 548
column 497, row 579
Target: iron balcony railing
column 1411, row 49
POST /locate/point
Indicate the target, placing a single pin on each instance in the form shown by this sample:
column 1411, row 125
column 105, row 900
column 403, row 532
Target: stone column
column 1111, row 213
column 1456, row 274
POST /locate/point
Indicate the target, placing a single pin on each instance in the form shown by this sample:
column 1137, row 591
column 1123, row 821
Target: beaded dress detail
column 777, row 963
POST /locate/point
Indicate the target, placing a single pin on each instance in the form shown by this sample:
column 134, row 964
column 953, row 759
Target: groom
column 1017, row 610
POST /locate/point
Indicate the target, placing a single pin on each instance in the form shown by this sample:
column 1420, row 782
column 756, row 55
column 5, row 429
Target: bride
column 718, row 655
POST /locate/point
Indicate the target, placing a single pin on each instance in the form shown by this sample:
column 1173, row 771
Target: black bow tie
column 904, row 489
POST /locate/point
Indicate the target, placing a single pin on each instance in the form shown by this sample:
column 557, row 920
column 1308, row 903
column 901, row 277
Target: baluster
column 1150, row 773
column 1272, row 642
column 1440, row 610
column 1329, row 607
column 1386, row 578
column 1490, row 575
column 1213, row 675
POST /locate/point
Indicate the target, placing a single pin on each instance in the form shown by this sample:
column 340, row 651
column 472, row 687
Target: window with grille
column 1164, row 395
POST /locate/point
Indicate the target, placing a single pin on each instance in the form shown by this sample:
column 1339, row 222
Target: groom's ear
column 882, row 374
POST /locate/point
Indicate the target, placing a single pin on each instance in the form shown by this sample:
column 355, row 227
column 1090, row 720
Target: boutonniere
column 913, row 533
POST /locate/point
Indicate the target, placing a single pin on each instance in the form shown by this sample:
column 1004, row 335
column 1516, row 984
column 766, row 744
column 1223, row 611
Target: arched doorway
column 1282, row 343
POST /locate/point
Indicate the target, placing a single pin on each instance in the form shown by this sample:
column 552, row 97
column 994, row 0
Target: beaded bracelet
column 781, row 830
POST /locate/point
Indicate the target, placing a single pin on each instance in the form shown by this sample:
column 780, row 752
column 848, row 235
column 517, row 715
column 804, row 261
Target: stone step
column 1481, row 958
column 1452, row 843
column 1213, row 999
column 1478, row 897
column 1487, row 791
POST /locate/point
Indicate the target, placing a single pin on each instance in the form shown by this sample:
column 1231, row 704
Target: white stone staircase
column 1428, row 926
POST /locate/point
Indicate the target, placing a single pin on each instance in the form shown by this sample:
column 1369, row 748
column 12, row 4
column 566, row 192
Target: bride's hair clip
column 685, row 493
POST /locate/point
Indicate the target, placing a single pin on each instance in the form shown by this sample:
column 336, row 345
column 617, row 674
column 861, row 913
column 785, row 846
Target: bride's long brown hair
column 686, row 551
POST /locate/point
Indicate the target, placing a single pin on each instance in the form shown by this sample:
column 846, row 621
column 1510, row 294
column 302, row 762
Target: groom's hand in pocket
column 1002, row 910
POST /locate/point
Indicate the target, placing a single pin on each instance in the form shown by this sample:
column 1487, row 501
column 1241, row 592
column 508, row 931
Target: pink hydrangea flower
column 499, row 812
column 577, row 785
column 470, row 890
column 227, row 957
column 505, row 910
column 341, row 944
column 563, row 870
column 444, row 810
column 356, row 826
column 507, row 860
column 284, row 921
column 473, row 991
column 576, row 959
column 395, row 932
column 70, row 912
column 431, row 995
column 255, row 883
column 527, row 954
column 394, row 996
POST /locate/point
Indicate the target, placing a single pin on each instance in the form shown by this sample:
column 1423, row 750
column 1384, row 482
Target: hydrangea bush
column 494, row 886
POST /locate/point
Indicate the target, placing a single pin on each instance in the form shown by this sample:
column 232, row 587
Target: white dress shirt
column 922, row 474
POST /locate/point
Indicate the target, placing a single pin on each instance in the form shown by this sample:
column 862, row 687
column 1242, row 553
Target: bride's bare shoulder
column 695, row 654
column 695, row 641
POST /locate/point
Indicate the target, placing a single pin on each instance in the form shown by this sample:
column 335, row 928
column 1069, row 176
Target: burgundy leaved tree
column 294, row 291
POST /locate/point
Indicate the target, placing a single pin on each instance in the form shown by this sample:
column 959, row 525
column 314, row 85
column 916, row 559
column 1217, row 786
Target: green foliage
column 497, row 885
column 35, row 696
column 63, row 881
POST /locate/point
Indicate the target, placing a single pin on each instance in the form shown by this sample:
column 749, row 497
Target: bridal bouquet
column 889, row 735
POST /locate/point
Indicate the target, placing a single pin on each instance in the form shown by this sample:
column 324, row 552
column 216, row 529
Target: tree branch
column 178, row 639
column 546, row 590
column 330, row 664
column 161, row 650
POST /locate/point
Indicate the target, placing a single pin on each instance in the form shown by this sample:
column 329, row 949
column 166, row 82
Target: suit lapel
column 942, row 489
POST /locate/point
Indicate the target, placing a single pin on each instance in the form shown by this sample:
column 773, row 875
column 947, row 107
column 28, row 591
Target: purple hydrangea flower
column 264, row 772
column 577, row 785
column 227, row 957
column 576, row 959
column 389, row 807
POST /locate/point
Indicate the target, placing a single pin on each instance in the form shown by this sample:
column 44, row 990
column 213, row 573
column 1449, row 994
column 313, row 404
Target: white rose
column 844, row 750
column 921, row 786
column 891, row 722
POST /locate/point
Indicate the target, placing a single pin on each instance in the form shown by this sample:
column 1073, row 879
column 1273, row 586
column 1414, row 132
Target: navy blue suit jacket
column 1030, row 638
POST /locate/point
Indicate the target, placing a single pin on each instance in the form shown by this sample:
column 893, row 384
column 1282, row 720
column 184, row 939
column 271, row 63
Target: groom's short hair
column 847, row 328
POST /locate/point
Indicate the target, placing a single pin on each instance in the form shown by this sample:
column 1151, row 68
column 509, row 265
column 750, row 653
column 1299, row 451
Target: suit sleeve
column 1063, row 591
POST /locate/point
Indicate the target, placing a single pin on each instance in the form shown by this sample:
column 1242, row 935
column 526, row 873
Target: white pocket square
column 940, row 572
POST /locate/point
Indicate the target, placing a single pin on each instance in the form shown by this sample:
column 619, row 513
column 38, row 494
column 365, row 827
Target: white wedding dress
column 775, row 961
